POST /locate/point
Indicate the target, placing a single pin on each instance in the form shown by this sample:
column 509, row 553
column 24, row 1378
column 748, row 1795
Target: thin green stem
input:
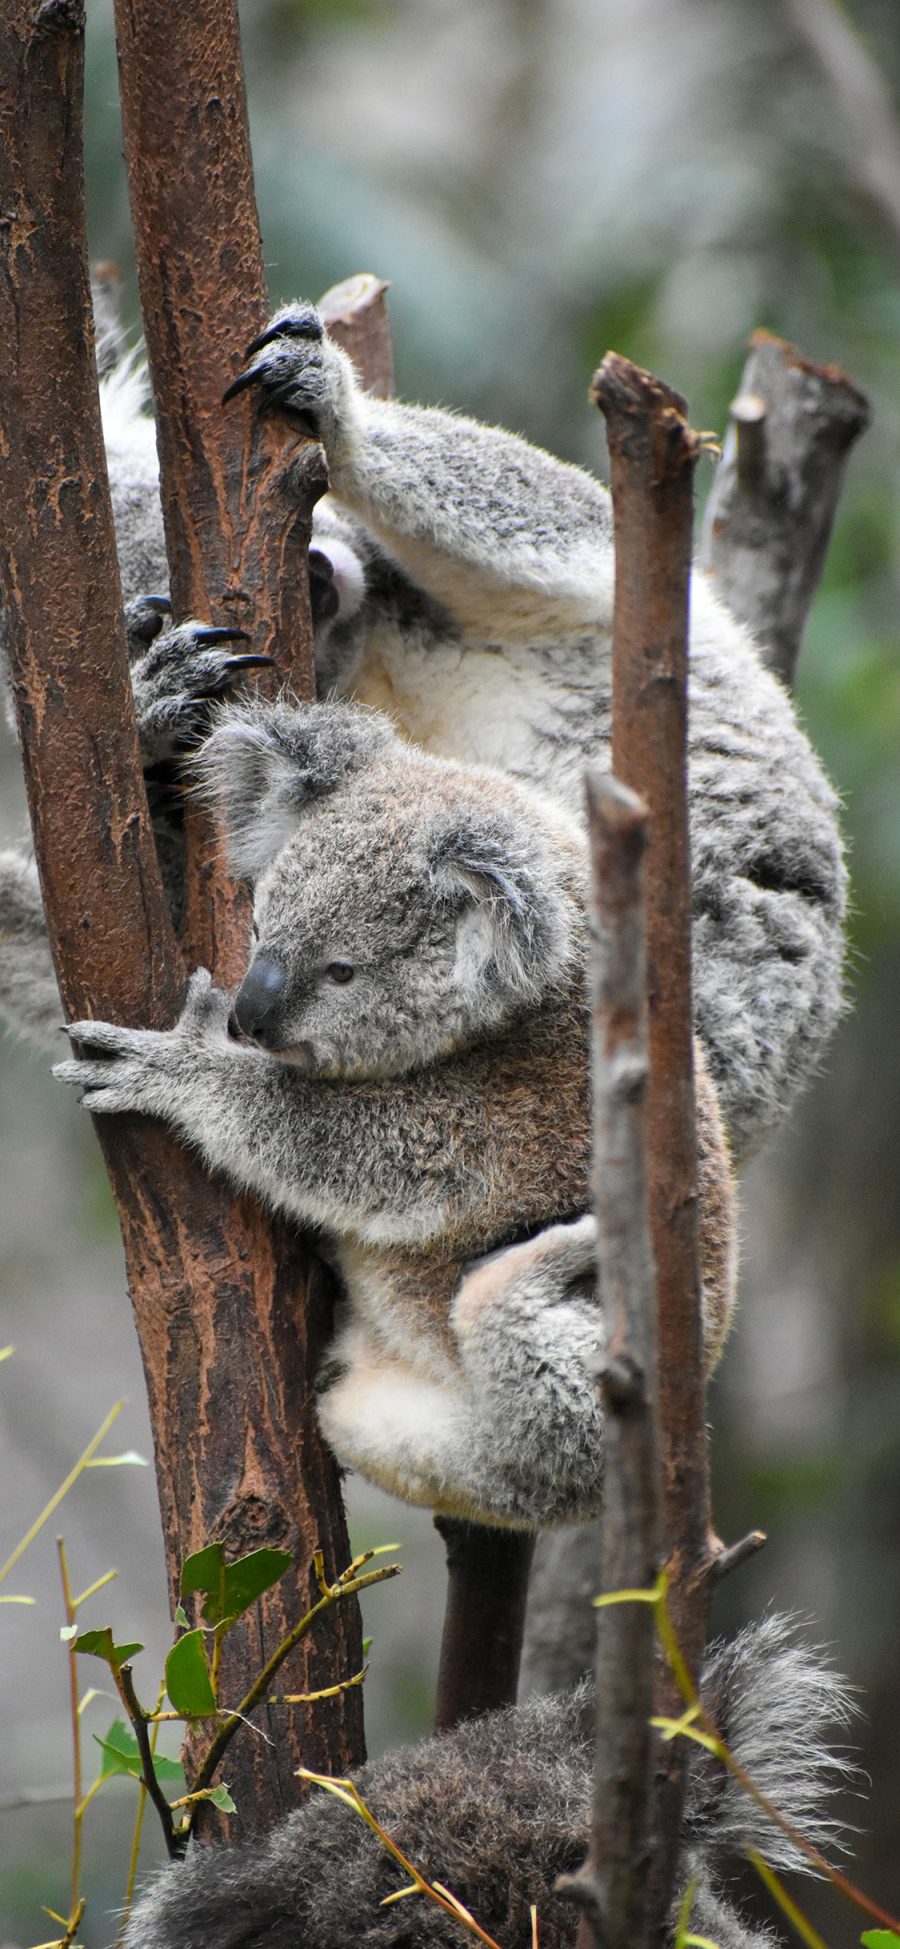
column 63, row 1490
column 77, row 1802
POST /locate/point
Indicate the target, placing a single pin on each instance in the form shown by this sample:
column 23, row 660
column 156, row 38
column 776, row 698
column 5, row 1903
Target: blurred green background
column 540, row 180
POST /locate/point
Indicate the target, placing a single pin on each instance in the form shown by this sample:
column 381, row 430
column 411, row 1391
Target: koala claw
column 286, row 362
column 300, row 321
column 205, row 633
column 176, row 676
column 144, row 618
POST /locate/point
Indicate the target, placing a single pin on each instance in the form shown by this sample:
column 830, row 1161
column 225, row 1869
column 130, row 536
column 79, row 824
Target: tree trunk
column 231, row 1322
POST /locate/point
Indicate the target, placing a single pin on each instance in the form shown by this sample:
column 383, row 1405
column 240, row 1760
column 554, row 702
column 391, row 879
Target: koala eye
column 340, row 971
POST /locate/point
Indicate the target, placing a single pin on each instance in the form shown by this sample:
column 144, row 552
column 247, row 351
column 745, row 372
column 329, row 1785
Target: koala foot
column 177, row 677
column 298, row 371
column 543, row 1270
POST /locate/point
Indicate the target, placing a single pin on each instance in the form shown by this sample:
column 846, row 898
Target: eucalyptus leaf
column 188, row 1680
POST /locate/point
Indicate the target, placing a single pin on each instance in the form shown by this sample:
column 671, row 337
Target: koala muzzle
column 257, row 1002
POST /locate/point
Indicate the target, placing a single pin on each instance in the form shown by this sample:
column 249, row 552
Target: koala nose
column 256, row 1002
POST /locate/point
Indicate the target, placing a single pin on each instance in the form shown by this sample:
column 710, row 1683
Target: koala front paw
column 123, row 1071
column 147, row 1070
column 177, row 678
column 298, row 371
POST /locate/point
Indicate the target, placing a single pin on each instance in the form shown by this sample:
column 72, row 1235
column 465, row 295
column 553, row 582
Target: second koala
column 405, row 1068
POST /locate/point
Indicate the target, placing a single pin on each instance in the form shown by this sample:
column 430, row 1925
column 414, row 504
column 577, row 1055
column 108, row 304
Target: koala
column 499, row 1808
column 462, row 581
column 405, row 1068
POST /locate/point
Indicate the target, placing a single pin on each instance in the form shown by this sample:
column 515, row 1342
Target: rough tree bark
column 612, row 1884
column 653, row 453
column 229, row 1325
column 770, row 512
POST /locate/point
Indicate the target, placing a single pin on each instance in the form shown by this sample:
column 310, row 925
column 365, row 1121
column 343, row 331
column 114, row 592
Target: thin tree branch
column 761, row 585
column 653, row 453
column 771, row 507
column 612, row 1885
column 356, row 316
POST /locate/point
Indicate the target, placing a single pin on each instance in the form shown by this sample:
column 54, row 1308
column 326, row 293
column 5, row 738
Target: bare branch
column 612, row 1885
column 356, row 316
column 653, row 453
column 770, row 511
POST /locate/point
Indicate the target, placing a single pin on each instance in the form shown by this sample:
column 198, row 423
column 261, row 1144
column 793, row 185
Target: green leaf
column 880, row 1939
column 67, row 1631
column 99, row 1644
column 230, row 1588
column 246, row 1579
column 121, row 1754
column 188, row 1680
column 181, row 1618
column 6, row 1353
column 221, row 1798
column 205, row 1571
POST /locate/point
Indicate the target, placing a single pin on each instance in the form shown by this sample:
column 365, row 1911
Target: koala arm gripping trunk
column 325, row 1153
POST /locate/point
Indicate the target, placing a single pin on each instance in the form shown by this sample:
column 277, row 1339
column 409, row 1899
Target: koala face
column 403, row 907
column 360, row 964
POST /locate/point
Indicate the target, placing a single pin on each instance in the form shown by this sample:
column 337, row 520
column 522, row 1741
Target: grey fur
column 414, row 1085
column 475, row 598
column 499, row 1808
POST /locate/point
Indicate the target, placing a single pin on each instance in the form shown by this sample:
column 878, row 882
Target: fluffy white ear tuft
column 264, row 765
column 515, row 918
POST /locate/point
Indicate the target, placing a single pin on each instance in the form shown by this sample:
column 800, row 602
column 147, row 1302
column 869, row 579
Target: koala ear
column 515, row 918
column 265, row 765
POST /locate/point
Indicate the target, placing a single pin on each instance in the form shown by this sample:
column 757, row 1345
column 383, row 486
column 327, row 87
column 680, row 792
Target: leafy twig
column 347, row 1585
column 348, row 1792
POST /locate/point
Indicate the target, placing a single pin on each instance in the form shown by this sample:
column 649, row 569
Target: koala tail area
column 499, row 1809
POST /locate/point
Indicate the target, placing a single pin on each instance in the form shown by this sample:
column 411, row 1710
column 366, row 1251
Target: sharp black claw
column 254, row 662
column 162, row 603
column 205, row 634
column 307, row 327
column 240, row 385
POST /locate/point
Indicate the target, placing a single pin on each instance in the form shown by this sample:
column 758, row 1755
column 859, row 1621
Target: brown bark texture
column 612, row 1885
column 236, row 544
column 653, row 452
column 228, row 1329
column 771, row 507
